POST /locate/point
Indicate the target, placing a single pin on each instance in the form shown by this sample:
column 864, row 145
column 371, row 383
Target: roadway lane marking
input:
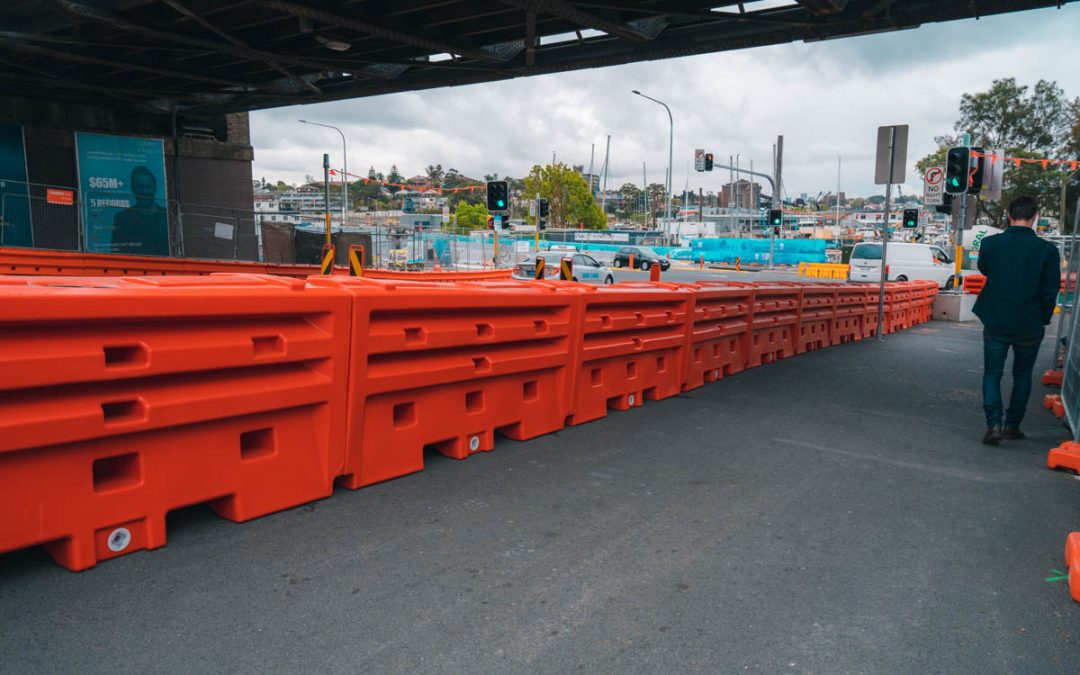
column 945, row 471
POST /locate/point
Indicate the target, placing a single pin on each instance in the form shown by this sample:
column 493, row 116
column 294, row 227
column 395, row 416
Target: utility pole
column 592, row 154
column 776, row 200
column 326, row 185
column 645, row 194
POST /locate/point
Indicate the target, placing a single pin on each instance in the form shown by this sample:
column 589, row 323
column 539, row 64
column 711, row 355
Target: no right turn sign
column 934, row 186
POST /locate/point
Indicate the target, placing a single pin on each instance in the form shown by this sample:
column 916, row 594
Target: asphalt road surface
column 830, row 513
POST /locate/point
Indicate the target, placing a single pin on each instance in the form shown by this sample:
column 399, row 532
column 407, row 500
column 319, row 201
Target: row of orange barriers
column 41, row 262
column 126, row 398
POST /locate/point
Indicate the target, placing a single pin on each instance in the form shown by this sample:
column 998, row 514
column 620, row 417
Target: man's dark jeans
column 995, row 349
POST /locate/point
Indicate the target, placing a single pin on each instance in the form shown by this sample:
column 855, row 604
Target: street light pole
column 344, row 168
column 671, row 150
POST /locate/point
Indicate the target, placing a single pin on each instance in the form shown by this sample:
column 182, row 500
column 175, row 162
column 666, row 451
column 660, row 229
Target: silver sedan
column 586, row 269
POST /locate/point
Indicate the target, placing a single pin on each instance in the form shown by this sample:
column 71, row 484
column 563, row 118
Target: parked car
column 905, row 262
column 585, row 269
column 644, row 258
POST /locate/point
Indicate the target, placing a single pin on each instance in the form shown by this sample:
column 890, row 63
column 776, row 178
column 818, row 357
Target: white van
column 906, row 262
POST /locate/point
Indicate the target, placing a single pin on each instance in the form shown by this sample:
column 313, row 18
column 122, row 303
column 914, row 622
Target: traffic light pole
column 885, row 239
column 776, row 202
column 960, row 221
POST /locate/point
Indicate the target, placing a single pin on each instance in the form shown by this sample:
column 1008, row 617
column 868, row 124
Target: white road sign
column 934, row 186
column 699, row 159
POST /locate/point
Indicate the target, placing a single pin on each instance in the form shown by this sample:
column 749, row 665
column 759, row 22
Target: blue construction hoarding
column 15, row 225
column 122, row 180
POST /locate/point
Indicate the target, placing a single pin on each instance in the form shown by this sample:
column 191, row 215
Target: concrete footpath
column 831, row 513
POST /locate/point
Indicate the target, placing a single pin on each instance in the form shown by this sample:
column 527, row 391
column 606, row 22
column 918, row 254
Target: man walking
column 1023, row 273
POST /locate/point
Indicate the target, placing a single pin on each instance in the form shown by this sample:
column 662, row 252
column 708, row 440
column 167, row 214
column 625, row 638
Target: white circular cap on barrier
column 630, row 400
column 474, row 444
column 119, row 539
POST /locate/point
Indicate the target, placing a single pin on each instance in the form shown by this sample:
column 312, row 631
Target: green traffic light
column 501, row 203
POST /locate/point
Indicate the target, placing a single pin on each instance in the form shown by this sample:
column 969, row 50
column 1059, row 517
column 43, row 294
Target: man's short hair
column 1023, row 208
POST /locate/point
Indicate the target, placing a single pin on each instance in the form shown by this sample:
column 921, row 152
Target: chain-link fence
column 55, row 217
column 1066, row 346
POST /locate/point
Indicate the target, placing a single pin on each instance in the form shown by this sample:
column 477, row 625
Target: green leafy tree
column 395, row 176
column 631, row 198
column 570, row 202
column 1027, row 122
column 435, row 174
column 470, row 216
column 656, row 194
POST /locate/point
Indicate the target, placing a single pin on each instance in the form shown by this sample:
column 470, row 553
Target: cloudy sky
column 827, row 99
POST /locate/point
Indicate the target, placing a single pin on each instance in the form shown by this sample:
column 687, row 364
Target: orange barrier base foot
column 1053, row 403
column 1052, row 378
column 1065, row 456
column 1072, row 559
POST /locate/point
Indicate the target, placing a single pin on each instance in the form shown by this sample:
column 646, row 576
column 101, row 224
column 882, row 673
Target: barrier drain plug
column 119, row 539
column 474, row 444
column 630, row 400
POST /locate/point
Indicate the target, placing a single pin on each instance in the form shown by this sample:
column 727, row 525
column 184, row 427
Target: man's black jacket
column 1023, row 274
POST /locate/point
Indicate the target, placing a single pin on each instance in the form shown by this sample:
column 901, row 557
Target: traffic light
column 708, row 161
column 976, row 173
column 491, row 222
column 946, row 205
column 957, row 170
column 776, row 218
column 498, row 195
column 543, row 210
column 911, row 218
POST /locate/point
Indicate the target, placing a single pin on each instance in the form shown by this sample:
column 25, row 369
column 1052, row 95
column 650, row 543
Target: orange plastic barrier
column 851, row 303
column 126, row 398
column 817, row 312
column 446, row 366
column 1064, row 456
column 1052, row 378
column 632, row 341
column 974, row 283
column 1053, row 403
column 28, row 261
column 1072, row 560
column 774, row 322
column 719, row 338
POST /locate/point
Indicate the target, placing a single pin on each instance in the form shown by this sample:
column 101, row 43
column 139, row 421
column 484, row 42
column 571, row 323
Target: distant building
column 742, row 194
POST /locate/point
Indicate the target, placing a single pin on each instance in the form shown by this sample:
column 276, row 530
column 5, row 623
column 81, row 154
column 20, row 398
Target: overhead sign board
column 934, row 186
column 699, row 159
column 892, row 142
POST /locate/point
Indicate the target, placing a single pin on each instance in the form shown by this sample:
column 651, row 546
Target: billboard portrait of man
column 142, row 228
column 123, row 185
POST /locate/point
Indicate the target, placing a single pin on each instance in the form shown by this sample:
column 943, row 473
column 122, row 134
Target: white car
column 586, row 269
column 906, row 262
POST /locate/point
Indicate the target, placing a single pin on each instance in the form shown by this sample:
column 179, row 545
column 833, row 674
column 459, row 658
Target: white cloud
column 827, row 99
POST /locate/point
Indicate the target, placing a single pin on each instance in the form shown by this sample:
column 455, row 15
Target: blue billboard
column 122, row 180
column 15, row 226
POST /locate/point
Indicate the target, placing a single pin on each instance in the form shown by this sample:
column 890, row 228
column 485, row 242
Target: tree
column 282, row 186
column 570, row 201
column 1027, row 122
column 435, row 174
column 471, row 216
column 631, row 198
column 656, row 194
column 394, row 176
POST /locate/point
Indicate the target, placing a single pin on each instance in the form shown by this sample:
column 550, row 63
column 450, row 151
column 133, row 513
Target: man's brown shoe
column 992, row 436
column 1013, row 434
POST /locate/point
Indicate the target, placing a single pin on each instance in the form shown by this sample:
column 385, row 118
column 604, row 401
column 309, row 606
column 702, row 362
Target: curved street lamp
column 344, row 168
column 671, row 145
